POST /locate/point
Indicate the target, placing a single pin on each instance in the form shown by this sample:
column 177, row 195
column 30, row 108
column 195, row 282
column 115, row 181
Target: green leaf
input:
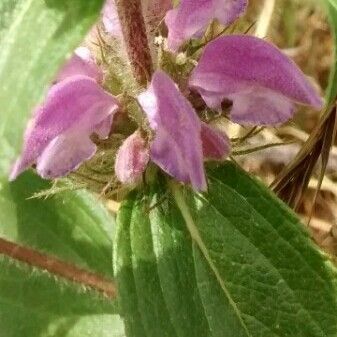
column 231, row 262
column 273, row 277
column 124, row 272
column 173, row 250
column 86, row 326
column 36, row 304
column 34, row 291
column 73, row 226
column 25, row 318
column 154, row 270
column 36, row 37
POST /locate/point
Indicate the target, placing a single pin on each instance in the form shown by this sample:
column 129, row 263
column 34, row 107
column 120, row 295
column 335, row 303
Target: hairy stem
column 57, row 267
column 135, row 39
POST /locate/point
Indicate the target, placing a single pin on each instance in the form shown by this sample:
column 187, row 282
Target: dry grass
column 301, row 29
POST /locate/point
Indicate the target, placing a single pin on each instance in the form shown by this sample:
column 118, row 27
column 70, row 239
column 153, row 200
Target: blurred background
column 300, row 28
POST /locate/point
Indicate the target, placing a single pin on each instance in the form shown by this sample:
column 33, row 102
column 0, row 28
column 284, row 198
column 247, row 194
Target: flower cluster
column 262, row 84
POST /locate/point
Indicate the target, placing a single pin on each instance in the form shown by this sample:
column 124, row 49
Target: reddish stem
column 135, row 39
column 57, row 267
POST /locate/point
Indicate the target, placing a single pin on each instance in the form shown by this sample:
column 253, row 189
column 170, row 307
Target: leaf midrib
column 192, row 228
column 195, row 234
column 300, row 231
column 276, row 231
column 266, row 258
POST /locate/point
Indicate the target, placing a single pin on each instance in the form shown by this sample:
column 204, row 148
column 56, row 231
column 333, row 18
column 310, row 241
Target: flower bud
column 132, row 159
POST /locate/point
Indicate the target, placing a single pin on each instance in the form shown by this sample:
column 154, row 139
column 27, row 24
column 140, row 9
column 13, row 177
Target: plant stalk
column 135, row 39
column 57, row 267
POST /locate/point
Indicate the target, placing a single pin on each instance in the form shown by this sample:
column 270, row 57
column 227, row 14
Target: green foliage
column 35, row 37
column 246, row 267
column 154, row 270
column 41, row 292
column 73, row 226
column 231, row 262
column 67, row 226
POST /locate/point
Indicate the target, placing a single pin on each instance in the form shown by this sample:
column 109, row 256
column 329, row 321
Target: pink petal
column 260, row 106
column 132, row 159
column 177, row 147
column 238, row 66
column 110, row 19
column 104, row 127
column 75, row 106
column 81, row 63
column 191, row 18
column 154, row 10
column 64, row 154
column 215, row 145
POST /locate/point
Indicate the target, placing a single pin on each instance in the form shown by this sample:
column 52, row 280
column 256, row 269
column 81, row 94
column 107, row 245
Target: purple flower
column 262, row 83
column 177, row 146
column 132, row 159
column 191, row 18
column 110, row 19
column 80, row 63
column 57, row 139
column 215, row 145
column 154, row 10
